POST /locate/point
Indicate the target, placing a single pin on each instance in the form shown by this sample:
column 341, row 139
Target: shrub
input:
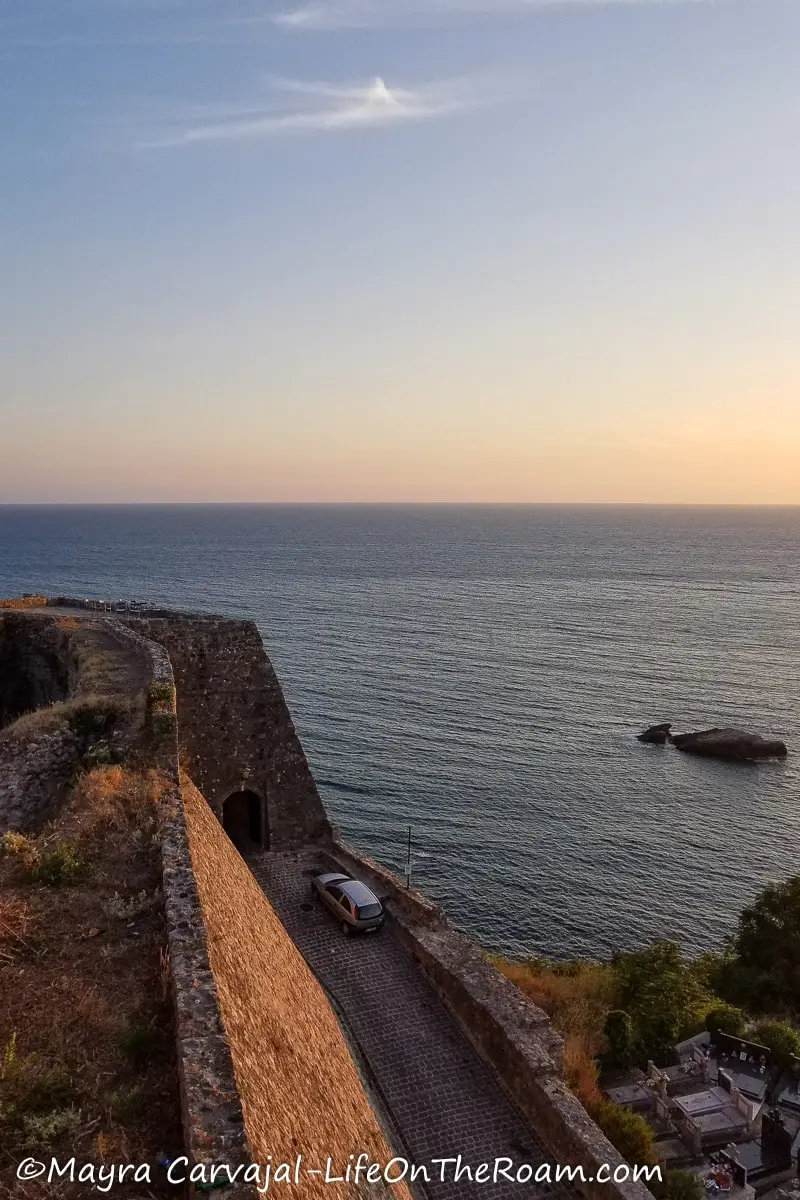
column 726, row 1018
column 102, row 754
column 46, row 1128
column 781, row 1040
column 22, row 847
column 125, row 1103
column 161, row 695
column 677, row 1185
column 162, row 724
column 627, row 1130
column 138, row 1040
column 46, row 1090
column 61, row 864
column 32, row 1094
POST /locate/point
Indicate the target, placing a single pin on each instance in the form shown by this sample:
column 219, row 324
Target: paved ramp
column 442, row 1099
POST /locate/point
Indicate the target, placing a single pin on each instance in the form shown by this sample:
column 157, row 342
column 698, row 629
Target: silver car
column 355, row 907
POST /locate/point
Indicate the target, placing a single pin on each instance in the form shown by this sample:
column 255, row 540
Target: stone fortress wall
column 216, row 709
column 236, row 731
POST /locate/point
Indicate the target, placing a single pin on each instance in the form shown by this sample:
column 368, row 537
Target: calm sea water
column 480, row 673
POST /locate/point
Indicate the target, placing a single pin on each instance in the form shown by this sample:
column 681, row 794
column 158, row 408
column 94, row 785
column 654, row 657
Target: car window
column 334, row 891
column 345, row 903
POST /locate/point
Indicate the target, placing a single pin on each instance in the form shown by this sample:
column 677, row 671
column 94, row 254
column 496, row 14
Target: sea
column 477, row 675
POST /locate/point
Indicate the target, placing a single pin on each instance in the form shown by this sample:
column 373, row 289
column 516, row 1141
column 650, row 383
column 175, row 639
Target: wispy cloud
column 300, row 107
column 354, row 14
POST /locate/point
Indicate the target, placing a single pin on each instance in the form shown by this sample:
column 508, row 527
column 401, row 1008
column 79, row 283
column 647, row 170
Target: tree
column 663, row 996
column 726, row 1018
column 627, row 1130
column 781, row 1040
column 709, row 968
column 618, row 1030
column 767, row 948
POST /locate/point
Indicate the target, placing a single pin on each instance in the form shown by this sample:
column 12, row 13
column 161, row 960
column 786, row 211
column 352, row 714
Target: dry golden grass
column 580, row 1071
column 300, row 1090
column 113, row 805
column 577, row 1004
column 17, row 602
column 15, row 924
column 69, row 712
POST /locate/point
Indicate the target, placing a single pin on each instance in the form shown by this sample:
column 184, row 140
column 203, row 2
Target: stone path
column 438, row 1093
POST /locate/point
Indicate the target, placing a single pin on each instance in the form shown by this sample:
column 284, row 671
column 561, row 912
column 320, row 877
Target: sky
column 400, row 250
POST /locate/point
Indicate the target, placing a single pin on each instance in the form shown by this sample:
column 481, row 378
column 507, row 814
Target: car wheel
column 345, row 929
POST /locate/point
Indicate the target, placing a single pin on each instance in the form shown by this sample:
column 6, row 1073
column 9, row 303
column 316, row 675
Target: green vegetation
column 622, row 1013
column 139, row 1041
column 726, row 1018
column 780, row 1039
column 42, row 1129
column 677, row 1185
column 60, row 864
column 663, row 996
column 763, row 972
column 161, row 695
column 35, row 1101
column 626, row 1130
column 125, row 1103
column 618, row 1030
column 53, row 864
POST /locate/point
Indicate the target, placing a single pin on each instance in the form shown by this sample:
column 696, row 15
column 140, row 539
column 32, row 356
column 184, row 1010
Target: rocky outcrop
column 656, row 735
column 733, row 745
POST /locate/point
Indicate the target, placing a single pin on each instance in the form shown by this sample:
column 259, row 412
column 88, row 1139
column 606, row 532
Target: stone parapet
column 211, row 1109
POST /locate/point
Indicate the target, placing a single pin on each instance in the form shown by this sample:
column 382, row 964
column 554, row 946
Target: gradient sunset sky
column 507, row 250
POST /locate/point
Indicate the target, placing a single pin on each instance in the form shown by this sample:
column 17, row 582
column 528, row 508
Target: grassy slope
column 85, row 1021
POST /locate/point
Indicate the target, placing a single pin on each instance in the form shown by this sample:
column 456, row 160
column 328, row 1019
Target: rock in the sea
column 734, row 745
column 656, row 735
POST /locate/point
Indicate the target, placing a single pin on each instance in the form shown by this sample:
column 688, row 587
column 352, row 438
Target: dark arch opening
column 242, row 821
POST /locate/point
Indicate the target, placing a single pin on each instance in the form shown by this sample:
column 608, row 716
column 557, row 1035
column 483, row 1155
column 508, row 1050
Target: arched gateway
column 243, row 821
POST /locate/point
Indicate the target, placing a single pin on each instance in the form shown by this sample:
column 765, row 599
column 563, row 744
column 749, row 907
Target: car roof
column 331, row 877
column 358, row 892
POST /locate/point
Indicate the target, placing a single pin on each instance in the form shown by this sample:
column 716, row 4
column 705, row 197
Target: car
column 356, row 908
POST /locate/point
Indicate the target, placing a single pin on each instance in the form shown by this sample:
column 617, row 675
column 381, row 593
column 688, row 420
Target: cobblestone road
column 440, row 1096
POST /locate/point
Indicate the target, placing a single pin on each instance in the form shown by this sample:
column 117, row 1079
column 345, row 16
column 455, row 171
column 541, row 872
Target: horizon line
column 721, row 504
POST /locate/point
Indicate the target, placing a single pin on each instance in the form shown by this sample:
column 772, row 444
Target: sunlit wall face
column 510, row 251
